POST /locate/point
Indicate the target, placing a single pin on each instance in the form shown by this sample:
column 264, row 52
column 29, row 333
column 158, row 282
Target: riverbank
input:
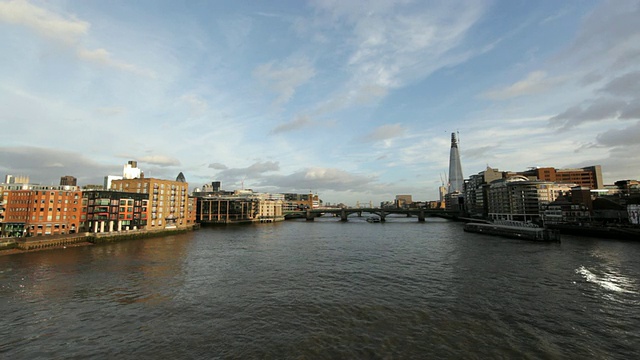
column 600, row 232
column 39, row 243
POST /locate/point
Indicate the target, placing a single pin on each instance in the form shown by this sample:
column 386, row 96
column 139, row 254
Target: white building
column 131, row 170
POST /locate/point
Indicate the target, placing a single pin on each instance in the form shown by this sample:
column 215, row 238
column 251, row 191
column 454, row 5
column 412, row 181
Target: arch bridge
column 344, row 213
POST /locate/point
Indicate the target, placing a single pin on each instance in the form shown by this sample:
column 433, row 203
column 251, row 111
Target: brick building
column 41, row 210
column 168, row 205
column 590, row 176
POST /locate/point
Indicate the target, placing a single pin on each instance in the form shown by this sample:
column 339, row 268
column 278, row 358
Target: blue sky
column 353, row 100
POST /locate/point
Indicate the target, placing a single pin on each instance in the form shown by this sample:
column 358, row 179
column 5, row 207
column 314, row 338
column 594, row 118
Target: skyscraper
column 456, row 179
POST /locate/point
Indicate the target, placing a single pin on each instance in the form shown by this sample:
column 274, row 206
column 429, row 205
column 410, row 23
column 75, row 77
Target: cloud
column 299, row 122
column 608, row 39
column 103, row 57
column 385, row 132
column 620, row 137
column 385, row 45
column 45, row 164
column 284, row 78
column 253, row 171
column 535, row 82
column 217, row 166
column 160, row 160
column 396, row 42
column 624, row 86
column 69, row 31
column 606, row 51
column 318, row 179
column 620, row 99
column 44, row 22
column 481, row 152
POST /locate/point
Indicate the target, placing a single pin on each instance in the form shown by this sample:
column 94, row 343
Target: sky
column 353, row 100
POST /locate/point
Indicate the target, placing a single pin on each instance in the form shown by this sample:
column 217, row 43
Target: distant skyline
column 352, row 100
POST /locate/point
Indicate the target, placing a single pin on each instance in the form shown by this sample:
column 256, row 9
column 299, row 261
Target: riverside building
column 244, row 206
column 35, row 210
column 168, row 201
column 590, row 176
column 107, row 211
column 521, row 199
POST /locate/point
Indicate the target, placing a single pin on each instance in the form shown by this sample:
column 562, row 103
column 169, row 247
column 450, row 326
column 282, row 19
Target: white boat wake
column 611, row 282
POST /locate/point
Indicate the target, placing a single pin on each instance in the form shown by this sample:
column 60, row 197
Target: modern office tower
column 456, row 180
column 8, row 179
column 131, row 170
column 68, row 180
column 181, row 178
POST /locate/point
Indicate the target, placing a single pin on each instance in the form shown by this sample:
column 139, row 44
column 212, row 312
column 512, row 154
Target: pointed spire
column 456, row 179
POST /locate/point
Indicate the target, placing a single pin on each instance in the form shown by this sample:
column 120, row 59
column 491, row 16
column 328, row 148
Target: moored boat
column 373, row 219
column 514, row 230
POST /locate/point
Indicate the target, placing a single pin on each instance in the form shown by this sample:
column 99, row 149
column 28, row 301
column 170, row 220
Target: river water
column 324, row 290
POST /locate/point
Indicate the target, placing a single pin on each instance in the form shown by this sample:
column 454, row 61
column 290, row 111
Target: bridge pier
column 421, row 216
column 343, row 215
column 310, row 216
column 383, row 216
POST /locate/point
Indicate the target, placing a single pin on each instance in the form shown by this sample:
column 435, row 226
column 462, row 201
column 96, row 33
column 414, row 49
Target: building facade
column 41, row 210
column 476, row 189
column 241, row 207
column 518, row 198
column 168, row 203
column 590, row 176
column 68, row 180
column 107, row 211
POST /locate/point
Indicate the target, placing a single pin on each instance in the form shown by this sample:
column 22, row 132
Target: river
column 324, row 290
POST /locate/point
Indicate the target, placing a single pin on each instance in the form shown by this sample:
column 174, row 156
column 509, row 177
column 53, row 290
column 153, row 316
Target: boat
column 373, row 219
column 514, row 230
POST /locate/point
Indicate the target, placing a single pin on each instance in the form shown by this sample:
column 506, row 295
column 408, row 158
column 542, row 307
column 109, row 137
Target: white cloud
column 160, row 160
column 218, row 166
column 299, row 122
column 389, row 44
column 46, row 23
column 103, row 57
column 535, row 82
column 386, row 132
column 284, row 78
column 70, row 31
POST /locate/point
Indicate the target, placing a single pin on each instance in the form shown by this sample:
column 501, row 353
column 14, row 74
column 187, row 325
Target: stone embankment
column 19, row 245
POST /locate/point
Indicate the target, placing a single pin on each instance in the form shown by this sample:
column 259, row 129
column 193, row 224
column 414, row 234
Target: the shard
column 455, row 168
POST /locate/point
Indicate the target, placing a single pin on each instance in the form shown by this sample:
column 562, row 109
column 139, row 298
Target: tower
column 455, row 168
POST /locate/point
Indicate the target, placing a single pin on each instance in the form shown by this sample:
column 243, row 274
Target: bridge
column 344, row 213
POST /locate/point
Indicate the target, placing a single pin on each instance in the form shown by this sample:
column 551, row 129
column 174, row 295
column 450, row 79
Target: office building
column 590, row 176
column 521, row 199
